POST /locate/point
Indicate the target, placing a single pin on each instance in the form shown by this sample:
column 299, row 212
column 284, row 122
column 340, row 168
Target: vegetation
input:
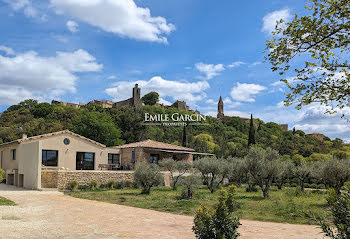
column 73, row 185
column 6, row 202
column 321, row 38
column 147, row 176
column 1, row 174
column 93, row 185
column 190, row 183
column 251, row 136
column 287, row 205
column 226, row 138
column 263, row 166
column 217, row 222
column 150, row 98
column 180, row 167
column 340, row 208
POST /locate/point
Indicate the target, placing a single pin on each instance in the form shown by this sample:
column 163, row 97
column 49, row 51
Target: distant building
column 220, row 114
column 318, row 136
column 134, row 101
column 284, row 126
column 103, row 103
column 77, row 106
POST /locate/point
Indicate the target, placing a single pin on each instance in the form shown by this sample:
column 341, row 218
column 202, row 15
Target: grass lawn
column 6, row 202
column 282, row 206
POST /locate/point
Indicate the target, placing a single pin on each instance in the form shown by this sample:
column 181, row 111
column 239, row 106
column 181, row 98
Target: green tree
column 302, row 172
column 218, row 222
column 181, row 167
column 151, row 98
column 322, row 37
column 147, row 176
column 98, row 126
column 340, row 208
column 251, row 138
column 204, row 143
column 263, row 166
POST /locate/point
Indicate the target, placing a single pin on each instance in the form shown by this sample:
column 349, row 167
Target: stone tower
column 136, row 95
column 220, row 115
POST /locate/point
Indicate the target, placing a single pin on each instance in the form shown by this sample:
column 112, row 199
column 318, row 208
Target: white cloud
column 270, row 20
column 246, row 92
column 7, row 50
column 211, row 102
column 72, row 26
column 190, row 92
column 235, row 64
column 256, row 63
column 28, row 74
column 122, row 17
column 112, row 77
column 28, row 9
column 164, row 101
column 209, row 70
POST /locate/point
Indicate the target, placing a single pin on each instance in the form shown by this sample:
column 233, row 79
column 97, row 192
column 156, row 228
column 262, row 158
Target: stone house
column 53, row 160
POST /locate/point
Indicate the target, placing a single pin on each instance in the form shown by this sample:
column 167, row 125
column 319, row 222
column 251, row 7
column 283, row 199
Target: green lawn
column 282, row 206
column 6, row 202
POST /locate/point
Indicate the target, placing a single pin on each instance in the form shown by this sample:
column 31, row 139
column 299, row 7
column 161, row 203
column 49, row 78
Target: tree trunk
column 266, row 193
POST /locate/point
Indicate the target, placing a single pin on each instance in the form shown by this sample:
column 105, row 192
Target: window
column 13, row 154
column 154, row 158
column 113, row 158
column 85, row 161
column 66, row 141
column 50, row 158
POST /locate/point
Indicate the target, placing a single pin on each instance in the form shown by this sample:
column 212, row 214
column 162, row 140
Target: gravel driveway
column 50, row 214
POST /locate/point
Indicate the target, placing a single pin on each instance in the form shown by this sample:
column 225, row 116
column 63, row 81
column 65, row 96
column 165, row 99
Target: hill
column 115, row 126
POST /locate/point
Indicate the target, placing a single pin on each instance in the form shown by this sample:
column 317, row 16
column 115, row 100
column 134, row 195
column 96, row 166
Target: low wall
column 49, row 179
column 60, row 179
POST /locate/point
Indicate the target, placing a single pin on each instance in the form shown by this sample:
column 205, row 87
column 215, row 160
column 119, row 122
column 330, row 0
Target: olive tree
column 334, row 173
column 237, row 170
column 302, row 172
column 213, row 171
column 190, row 182
column 286, row 172
column 180, row 167
column 264, row 166
column 147, row 175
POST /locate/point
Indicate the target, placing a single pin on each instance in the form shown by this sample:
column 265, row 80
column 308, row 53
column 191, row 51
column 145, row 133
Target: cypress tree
column 184, row 137
column 251, row 138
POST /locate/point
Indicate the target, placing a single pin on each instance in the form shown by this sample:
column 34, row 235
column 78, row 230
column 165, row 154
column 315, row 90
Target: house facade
column 38, row 161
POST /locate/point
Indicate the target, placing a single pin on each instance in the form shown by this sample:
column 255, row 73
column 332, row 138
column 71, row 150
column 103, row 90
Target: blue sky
column 192, row 50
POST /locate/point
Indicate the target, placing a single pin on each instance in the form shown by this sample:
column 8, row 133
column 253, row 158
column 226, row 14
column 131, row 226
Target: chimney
column 24, row 136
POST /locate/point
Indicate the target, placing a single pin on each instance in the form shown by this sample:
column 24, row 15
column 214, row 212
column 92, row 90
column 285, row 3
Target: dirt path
column 53, row 215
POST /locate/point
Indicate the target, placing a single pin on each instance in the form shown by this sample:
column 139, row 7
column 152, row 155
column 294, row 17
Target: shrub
column 218, row 222
column 251, row 189
column 73, row 185
column 294, row 185
column 1, row 174
column 93, row 185
column 129, row 184
column 111, row 184
column 340, row 208
column 190, row 183
column 83, row 187
column 314, row 185
column 147, row 175
column 119, row 185
column 306, row 185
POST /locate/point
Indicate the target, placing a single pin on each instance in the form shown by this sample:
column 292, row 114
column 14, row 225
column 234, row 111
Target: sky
column 192, row 50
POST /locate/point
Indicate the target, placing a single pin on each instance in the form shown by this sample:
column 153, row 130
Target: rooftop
column 154, row 145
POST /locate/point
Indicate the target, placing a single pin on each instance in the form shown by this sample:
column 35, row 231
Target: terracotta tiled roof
column 154, row 145
column 54, row 134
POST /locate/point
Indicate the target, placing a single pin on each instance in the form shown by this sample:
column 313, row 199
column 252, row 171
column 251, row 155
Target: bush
column 93, row 185
column 307, row 185
column 340, row 208
column 83, row 187
column 314, row 185
column 251, row 189
column 119, row 185
column 1, row 174
column 129, row 184
column 111, row 184
column 147, row 175
column 294, row 185
column 218, row 222
column 73, row 185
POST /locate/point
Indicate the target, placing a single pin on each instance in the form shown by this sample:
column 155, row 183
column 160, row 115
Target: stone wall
column 60, row 179
column 85, row 177
column 49, row 179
